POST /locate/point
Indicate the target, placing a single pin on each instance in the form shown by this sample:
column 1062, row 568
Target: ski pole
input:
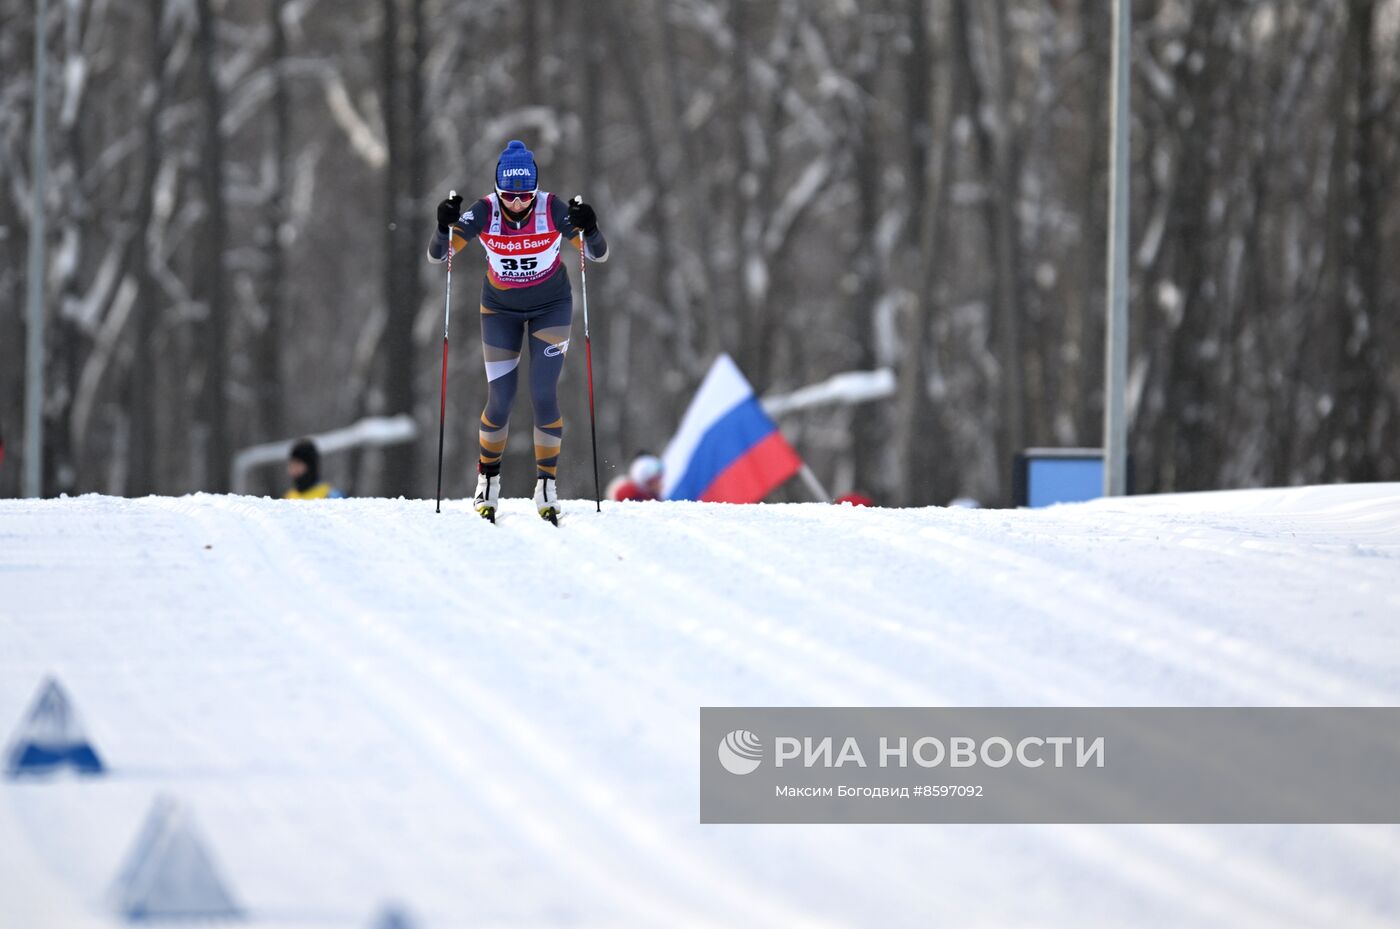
column 588, row 357
column 446, row 324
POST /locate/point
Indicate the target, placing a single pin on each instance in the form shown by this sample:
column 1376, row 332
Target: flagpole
column 814, row 484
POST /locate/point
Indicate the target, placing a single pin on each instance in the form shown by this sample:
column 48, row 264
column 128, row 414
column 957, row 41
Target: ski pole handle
column 582, row 269
column 451, row 195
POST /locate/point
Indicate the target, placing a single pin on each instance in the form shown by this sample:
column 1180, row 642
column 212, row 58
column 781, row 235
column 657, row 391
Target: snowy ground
column 360, row 700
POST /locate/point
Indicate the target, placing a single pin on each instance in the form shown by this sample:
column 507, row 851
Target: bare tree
column 812, row 187
column 212, row 282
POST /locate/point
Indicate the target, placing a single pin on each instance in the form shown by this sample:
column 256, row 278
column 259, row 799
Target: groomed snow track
column 362, row 701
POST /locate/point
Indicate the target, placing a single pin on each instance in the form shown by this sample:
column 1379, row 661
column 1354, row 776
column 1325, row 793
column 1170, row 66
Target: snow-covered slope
column 360, row 700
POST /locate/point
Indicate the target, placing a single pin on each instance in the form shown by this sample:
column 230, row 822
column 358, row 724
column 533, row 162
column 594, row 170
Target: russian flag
column 727, row 449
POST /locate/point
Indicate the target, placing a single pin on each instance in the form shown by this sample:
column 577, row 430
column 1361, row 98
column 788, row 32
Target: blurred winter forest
column 240, row 195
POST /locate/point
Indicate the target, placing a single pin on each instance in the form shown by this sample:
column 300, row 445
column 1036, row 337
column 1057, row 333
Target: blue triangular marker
column 169, row 874
column 51, row 738
column 393, row 916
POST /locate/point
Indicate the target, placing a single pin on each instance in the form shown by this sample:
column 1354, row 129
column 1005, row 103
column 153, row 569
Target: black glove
column 449, row 211
column 582, row 217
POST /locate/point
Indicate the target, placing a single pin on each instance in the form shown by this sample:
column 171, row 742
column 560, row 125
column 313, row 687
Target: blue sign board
column 1046, row 476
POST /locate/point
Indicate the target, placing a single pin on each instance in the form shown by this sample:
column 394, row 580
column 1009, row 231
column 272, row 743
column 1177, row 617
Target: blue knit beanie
column 516, row 168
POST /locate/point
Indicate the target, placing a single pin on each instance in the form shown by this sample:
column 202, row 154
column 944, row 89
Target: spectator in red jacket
column 643, row 481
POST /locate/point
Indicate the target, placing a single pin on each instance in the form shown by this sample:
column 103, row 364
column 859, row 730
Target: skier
column 304, row 470
column 526, row 290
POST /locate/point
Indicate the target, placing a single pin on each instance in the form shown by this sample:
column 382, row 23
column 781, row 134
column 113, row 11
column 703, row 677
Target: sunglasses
column 515, row 197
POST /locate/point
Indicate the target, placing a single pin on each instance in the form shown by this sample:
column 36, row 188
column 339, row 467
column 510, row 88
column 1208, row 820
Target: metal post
column 33, row 475
column 1115, row 425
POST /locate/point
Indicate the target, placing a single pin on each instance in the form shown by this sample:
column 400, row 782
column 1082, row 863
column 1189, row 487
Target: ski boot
column 546, row 499
column 488, row 493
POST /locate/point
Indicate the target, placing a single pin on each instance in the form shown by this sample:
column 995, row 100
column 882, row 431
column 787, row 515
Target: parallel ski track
column 797, row 656
column 560, row 808
column 843, row 634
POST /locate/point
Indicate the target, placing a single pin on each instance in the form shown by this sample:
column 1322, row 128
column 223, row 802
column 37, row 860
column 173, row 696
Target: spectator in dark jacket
column 304, row 469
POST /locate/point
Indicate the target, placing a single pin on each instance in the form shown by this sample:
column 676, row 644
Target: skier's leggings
column 502, row 338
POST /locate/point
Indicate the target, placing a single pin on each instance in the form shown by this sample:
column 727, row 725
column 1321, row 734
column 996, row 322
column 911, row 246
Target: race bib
column 520, row 260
